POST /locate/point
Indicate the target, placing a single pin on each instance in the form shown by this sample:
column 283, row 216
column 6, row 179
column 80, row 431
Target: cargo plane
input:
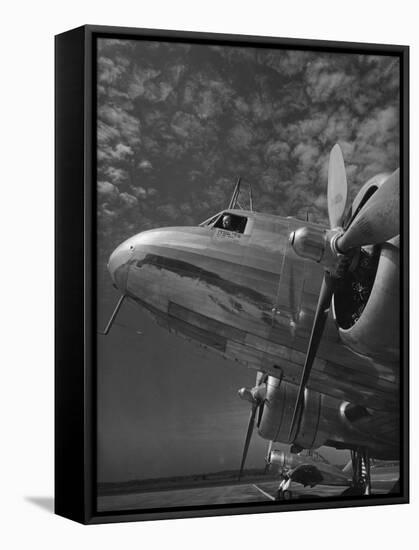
column 314, row 310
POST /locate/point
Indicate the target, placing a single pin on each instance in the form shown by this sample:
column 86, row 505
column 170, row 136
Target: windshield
column 209, row 221
column 231, row 222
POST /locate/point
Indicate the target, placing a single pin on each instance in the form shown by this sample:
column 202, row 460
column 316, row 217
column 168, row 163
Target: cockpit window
column 210, row 221
column 231, row 222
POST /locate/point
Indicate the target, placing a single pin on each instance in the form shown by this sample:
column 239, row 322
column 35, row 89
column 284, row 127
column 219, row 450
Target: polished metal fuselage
column 250, row 298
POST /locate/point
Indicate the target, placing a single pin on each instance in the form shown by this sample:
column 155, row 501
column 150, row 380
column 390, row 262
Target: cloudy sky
column 177, row 123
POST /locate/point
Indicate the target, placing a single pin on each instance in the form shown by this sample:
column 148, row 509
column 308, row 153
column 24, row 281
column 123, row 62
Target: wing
column 337, row 371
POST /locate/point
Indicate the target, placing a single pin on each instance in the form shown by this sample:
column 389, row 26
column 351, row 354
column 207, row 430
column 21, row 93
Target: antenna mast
column 235, row 195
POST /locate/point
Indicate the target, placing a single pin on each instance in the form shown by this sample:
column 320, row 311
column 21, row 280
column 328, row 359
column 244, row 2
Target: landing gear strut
column 361, row 474
column 283, row 492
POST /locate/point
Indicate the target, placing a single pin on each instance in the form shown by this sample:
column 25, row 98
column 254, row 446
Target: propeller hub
column 253, row 395
column 334, row 242
column 309, row 242
column 247, row 395
column 320, row 246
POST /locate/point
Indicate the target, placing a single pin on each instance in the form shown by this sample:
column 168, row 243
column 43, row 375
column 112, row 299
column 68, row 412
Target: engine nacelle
column 278, row 411
column 366, row 304
column 366, row 192
column 286, row 461
column 325, row 420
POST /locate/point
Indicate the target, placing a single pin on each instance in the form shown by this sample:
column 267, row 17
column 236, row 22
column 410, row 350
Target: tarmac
column 382, row 479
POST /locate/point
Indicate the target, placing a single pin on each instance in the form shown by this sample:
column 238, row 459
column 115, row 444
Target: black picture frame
column 75, row 252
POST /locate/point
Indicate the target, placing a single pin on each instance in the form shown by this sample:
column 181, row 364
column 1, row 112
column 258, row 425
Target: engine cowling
column 365, row 193
column 366, row 304
column 325, row 420
column 286, row 461
column 278, row 410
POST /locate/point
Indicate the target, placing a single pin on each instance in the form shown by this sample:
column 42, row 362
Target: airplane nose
column 118, row 264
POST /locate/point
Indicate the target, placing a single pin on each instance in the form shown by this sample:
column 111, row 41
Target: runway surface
column 382, row 482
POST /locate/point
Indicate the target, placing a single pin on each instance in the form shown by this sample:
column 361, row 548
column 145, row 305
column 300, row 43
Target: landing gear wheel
column 283, row 495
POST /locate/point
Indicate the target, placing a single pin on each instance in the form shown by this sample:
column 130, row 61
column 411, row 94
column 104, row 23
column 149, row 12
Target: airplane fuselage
column 249, row 297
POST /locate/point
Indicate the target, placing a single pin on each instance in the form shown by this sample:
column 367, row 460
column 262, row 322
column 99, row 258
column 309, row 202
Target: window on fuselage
column 210, row 221
column 231, row 222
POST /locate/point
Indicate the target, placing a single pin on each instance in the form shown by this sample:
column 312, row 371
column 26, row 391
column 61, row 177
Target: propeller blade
column 260, row 414
column 378, row 220
column 250, row 428
column 337, row 187
column 320, row 317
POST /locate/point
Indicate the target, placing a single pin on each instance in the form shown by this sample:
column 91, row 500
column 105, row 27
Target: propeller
column 249, row 433
column 256, row 396
column 320, row 317
column 376, row 222
column 337, row 187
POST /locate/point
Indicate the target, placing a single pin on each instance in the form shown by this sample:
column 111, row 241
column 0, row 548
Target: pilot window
column 231, row 222
column 209, row 222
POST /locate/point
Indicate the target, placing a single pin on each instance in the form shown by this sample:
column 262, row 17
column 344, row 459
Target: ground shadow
column 46, row 503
